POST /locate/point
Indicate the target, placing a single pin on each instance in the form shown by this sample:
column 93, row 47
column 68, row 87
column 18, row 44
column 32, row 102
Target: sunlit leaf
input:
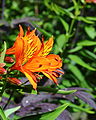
column 2, row 115
column 75, row 49
column 90, row 30
column 11, row 110
column 52, row 115
column 80, row 18
column 86, row 43
column 2, row 55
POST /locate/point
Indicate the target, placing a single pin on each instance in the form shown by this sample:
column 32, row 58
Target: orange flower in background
column 90, row 1
column 32, row 57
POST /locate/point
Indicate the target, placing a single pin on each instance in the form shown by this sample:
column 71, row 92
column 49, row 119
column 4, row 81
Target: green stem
column 71, row 26
column 8, row 99
column 3, row 88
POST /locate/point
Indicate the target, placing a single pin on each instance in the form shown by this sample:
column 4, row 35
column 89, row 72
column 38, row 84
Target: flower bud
column 14, row 81
column 2, row 64
column 9, row 59
column 0, row 77
column 2, row 71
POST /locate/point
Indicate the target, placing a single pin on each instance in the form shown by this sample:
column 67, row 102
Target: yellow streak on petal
column 34, row 84
column 46, row 47
column 50, row 76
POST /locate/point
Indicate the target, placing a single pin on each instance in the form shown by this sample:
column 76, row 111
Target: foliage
column 72, row 24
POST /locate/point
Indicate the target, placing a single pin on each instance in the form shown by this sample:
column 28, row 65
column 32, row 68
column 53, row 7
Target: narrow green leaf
column 44, row 32
column 84, row 19
column 65, row 24
column 86, row 43
column 79, row 108
column 2, row 56
column 52, row 115
column 2, row 114
column 11, row 110
column 90, row 54
column 79, row 61
column 55, row 113
column 79, row 75
column 75, row 49
column 93, row 18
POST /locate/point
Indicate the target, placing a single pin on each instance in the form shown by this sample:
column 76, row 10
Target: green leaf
column 79, row 75
column 56, row 50
column 58, row 9
column 3, row 54
column 2, row 114
column 91, row 18
column 90, row 54
column 84, row 19
column 65, row 24
column 11, row 110
column 79, row 108
column 44, row 32
column 83, row 1
column 61, row 41
column 75, row 49
column 86, row 43
column 79, row 61
column 90, row 31
column 52, row 115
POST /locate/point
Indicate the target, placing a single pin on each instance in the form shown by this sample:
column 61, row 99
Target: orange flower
column 32, row 57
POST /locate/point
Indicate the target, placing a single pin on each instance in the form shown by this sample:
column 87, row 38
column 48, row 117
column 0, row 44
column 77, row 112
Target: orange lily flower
column 32, row 57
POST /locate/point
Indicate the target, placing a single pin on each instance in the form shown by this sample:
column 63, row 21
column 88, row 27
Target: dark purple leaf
column 32, row 99
column 86, row 98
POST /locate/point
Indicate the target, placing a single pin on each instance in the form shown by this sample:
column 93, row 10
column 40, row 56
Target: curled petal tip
column 21, row 31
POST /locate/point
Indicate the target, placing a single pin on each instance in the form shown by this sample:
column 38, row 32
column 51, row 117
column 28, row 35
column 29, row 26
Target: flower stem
column 12, row 92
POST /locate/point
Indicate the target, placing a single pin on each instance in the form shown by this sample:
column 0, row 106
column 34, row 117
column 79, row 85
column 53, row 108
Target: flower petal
column 50, row 76
column 31, row 79
column 55, row 62
column 46, row 47
column 21, row 31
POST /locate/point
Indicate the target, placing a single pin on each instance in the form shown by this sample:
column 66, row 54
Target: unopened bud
column 0, row 77
column 9, row 59
column 2, row 64
column 14, row 81
column 3, row 71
